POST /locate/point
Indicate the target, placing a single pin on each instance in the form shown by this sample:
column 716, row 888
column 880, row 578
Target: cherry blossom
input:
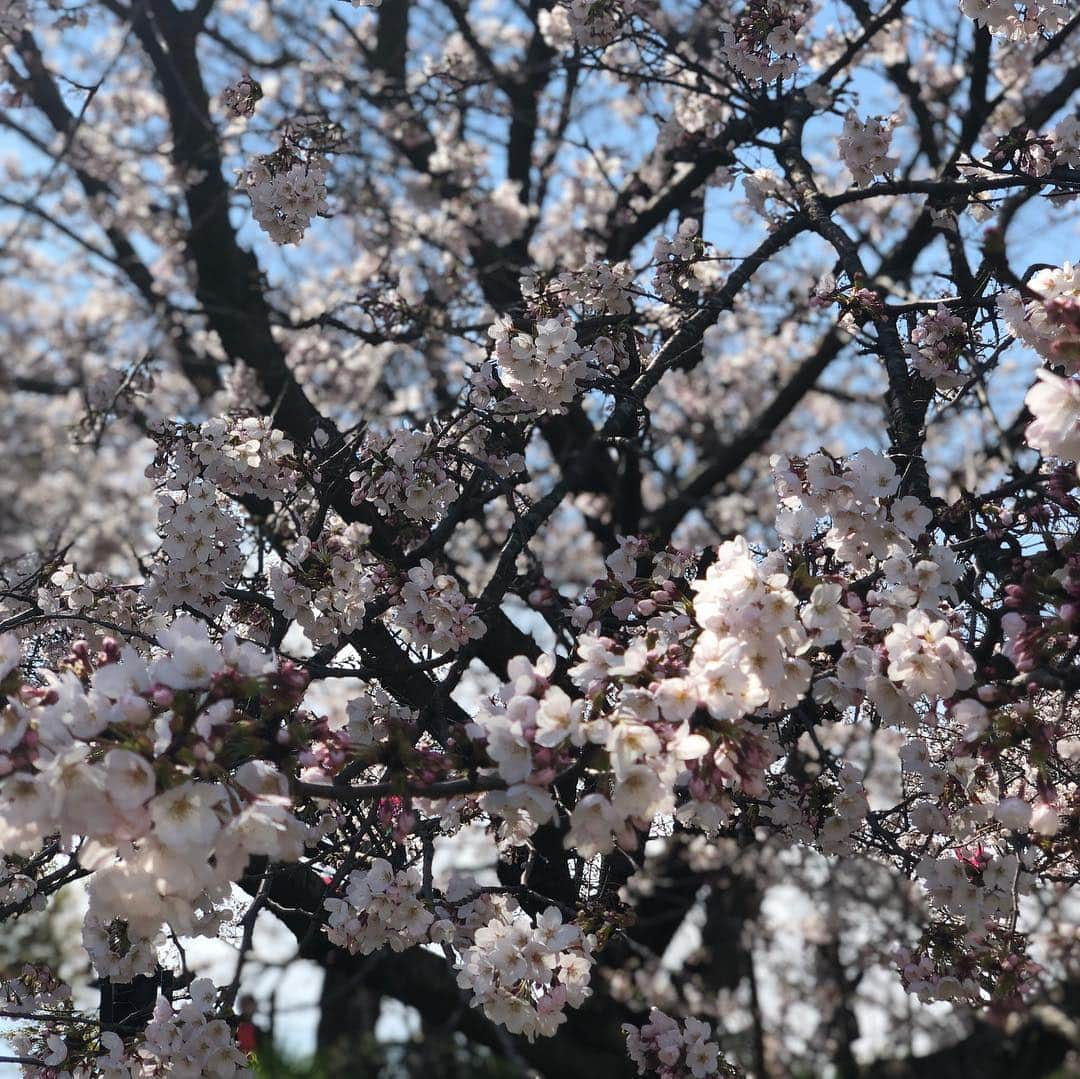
column 566, row 514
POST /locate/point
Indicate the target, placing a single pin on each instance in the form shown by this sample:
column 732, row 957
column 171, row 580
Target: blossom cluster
column 404, row 473
column 35, row 991
column 240, row 99
column 1024, row 150
column 583, row 23
column 15, row 888
column 524, row 971
column 679, row 264
column 1048, row 318
column 326, row 586
column 116, row 951
column 543, row 367
column 243, row 455
column 864, row 147
column 200, row 549
column 764, row 40
column 748, row 656
column 666, row 1049
column 530, row 729
column 1018, row 21
column 380, row 907
column 1042, row 606
column 599, row 287
column 1054, row 403
column 936, row 345
column 200, row 469
column 523, row 730
column 1067, row 141
column 434, row 611
column 186, row 1040
column 284, row 201
column 130, row 756
column 957, row 965
column 762, row 187
column 372, row 713
column 651, row 692
column 972, row 886
column 925, row 659
column 70, row 591
column 868, row 525
column 849, row 809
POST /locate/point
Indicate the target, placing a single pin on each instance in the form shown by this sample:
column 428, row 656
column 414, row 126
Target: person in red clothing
column 248, row 1035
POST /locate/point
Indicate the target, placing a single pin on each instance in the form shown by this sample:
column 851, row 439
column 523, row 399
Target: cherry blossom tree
column 568, row 508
